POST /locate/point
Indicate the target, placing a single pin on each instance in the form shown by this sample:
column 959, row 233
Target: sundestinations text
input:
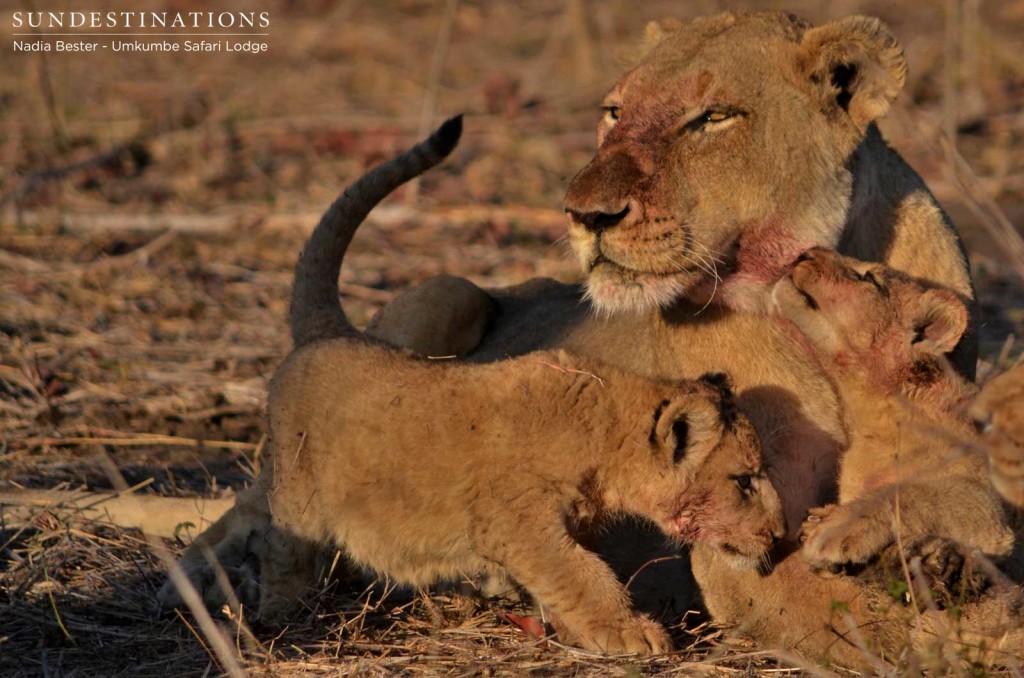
column 185, row 20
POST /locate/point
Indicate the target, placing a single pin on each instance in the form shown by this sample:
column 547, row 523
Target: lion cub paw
column 948, row 573
column 638, row 635
column 641, row 636
column 835, row 536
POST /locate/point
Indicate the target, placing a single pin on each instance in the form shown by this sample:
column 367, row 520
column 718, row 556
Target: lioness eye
column 612, row 113
column 708, row 117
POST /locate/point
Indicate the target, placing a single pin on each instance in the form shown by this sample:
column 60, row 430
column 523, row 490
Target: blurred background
column 152, row 206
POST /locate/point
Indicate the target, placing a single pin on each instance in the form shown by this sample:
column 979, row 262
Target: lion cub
column 430, row 471
column 912, row 464
column 999, row 411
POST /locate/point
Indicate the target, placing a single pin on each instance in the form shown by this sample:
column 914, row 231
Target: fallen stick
column 155, row 515
column 142, row 441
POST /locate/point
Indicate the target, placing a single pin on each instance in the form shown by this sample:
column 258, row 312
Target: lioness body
column 794, row 428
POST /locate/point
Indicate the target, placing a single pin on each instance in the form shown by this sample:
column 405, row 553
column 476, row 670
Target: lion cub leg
column 287, row 569
column 225, row 545
column 585, row 599
column 960, row 509
column 942, row 570
column 443, row 316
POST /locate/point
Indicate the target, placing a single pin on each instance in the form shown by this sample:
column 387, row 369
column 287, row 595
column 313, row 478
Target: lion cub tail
column 316, row 311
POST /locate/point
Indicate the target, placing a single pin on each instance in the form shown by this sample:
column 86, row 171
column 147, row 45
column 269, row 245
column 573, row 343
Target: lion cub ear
column 939, row 321
column 688, row 427
column 857, row 65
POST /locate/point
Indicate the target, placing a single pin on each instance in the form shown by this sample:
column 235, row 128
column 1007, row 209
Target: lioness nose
column 595, row 222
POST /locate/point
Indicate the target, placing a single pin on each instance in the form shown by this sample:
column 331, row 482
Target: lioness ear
column 940, row 319
column 656, row 31
column 689, row 426
column 856, row 64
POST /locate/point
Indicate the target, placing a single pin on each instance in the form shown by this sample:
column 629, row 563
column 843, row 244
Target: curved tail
column 316, row 311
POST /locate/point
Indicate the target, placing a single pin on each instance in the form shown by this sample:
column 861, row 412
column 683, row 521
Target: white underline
column 158, row 35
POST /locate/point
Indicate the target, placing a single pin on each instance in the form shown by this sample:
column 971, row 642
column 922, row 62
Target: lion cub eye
column 745, row 484
column 869, row 277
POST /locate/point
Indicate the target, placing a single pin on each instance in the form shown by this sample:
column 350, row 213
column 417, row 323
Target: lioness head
column 869, row 317
column 708, row 482
column 723, row 154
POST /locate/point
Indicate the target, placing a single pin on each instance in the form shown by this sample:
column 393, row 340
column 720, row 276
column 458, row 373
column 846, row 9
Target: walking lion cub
column 432, row 471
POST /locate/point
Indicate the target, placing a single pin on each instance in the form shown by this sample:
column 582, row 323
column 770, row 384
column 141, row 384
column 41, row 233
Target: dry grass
column 152, row 209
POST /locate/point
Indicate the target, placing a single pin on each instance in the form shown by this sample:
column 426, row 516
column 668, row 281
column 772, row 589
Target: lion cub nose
column 595, row 222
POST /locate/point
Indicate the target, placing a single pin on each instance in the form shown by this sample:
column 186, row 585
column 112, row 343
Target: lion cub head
column 723, row 154
column 868, row 319
column 999, row 414
column 705, row 476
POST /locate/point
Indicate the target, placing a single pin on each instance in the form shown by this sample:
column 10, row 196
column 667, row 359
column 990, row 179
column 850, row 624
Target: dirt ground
column 151, row 211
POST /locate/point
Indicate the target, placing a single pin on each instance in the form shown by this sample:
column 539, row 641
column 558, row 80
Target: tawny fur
column 914, row 464
column 913, row 475
column 999, row 412
column 802, row 165
column 674, row 211
column 430, row 471
column 316, row 313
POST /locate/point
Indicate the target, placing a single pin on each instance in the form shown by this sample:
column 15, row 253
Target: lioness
column 999, row 411
column 427, row 471
column 736, row 142
column 913, row 475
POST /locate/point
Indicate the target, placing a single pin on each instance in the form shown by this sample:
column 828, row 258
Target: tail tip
column 447, row 135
